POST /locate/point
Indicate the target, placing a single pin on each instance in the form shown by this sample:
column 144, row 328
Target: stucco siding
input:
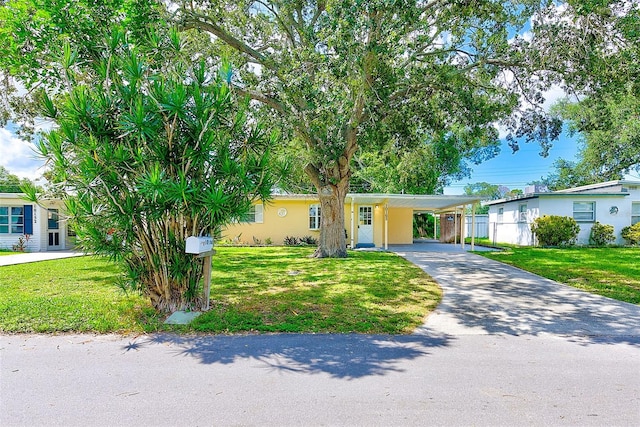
column 400, row 226
column 295, row 223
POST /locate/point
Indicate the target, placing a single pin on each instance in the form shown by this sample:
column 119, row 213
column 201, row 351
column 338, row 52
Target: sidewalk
column 23, row 258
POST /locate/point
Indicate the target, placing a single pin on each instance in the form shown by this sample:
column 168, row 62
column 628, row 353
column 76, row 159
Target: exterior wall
column 510, row 228
column 400, row 226
column 296, row 224
column 39, row 238
column 564, row 207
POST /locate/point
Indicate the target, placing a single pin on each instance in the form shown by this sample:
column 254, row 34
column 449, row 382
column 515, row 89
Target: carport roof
column 419, row 202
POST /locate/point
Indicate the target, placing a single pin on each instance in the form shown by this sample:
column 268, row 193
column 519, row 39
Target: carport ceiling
column 433, row 203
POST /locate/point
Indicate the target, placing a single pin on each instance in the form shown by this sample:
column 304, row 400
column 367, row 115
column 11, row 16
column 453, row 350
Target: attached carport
column 437, row 204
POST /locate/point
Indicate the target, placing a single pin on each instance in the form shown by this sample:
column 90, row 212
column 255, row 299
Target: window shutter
column 259, row 213
column 28, row 219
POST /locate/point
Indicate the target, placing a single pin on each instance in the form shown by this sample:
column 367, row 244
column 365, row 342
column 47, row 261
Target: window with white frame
column 11, row 220
column 635, row 212
column 584, row 211
column 500, row 214
column 522, row 212
column 255, row 214
column 314, row 217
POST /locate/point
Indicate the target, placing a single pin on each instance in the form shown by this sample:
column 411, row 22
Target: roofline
column 598, row 185
column 552, row 194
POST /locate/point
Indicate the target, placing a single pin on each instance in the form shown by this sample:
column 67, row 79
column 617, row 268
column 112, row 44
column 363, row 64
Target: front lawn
column 271, row 289
column 611, row 272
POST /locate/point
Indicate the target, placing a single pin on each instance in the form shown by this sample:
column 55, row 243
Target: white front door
column 365, row 224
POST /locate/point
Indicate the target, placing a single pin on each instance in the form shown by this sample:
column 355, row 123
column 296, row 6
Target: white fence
column 482, row 225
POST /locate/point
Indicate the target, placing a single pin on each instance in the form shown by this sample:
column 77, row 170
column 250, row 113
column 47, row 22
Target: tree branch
column 192, row 20
column 257, row 96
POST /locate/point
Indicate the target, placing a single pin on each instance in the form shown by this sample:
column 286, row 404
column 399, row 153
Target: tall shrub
column 152, row 150
column 554, row 230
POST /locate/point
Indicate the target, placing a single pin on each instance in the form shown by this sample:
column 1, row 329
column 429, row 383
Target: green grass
column 271, row 289
column 611, row 272
column 73, row 294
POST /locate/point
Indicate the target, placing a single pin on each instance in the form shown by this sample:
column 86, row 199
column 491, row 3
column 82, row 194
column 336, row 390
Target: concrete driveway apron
column 482, row 296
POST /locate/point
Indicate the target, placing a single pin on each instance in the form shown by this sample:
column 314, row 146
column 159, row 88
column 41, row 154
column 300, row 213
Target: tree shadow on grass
column 345, row 356
column 485, row 296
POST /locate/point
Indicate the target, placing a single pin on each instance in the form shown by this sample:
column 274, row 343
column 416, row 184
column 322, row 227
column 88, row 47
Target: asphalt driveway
column 503, row 348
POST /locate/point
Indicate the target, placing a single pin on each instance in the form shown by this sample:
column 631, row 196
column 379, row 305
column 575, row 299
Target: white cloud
column 18, row 156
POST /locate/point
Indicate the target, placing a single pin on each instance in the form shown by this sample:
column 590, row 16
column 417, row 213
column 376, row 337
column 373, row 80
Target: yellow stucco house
column 370, row 219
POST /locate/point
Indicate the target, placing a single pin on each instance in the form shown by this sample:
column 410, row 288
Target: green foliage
column 152, row 150
column 554, row 230
column 10, row 183
column 400, row 96
column 602, row 66
column 423, row 225
column 601, row 234
column 291, row 241
column 632, row 234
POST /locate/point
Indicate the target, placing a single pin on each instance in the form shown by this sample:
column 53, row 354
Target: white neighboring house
column 614, row 203
column 41, row 223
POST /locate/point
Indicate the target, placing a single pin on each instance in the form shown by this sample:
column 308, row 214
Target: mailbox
column 198, row 245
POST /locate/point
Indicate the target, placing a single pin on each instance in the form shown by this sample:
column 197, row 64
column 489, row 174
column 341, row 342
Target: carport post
column 463, row 226
column 386, row 226
column 473, row 225
column 352, row 226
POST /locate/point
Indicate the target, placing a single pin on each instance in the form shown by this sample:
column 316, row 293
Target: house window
column 635, row 212
column 255, row 214
column 314, row 217
column 11, row 220
column 522, row 213
column 584, row 211
column 500, row 214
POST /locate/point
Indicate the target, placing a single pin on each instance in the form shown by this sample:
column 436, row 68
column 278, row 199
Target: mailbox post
column 202, row 247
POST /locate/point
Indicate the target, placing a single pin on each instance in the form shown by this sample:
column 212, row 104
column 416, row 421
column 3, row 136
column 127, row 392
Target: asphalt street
column 505, row 348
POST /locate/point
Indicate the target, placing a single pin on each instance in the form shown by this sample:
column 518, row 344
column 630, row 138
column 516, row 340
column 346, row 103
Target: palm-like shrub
column 150, row 150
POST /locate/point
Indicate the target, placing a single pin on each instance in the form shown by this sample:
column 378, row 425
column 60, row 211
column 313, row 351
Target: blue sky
column 508, row 169
column 515, row 170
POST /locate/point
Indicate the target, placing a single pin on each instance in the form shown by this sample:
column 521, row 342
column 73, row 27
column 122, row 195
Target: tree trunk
column 333, row 243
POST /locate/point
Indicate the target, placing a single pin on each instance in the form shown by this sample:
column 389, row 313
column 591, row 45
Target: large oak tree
column 418, row 85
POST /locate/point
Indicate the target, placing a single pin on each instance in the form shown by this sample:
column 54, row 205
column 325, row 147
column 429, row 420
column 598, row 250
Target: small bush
column 554, row 230
column 601, row 234
column 309, row 240
column 632, row 234
column 256, row 241
column 268, row 241
column 291, row 241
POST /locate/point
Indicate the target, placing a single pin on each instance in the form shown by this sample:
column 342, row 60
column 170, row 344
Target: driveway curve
column 482, row 296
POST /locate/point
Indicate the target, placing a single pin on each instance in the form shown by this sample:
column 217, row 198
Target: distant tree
column 152, row 150
column 488, row 192
column 10, row 183
column 601, row 67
